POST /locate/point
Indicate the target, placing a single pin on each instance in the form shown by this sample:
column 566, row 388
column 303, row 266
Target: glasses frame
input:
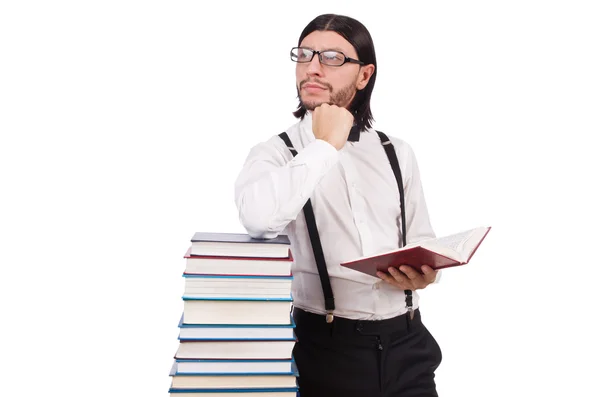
column 315, row 52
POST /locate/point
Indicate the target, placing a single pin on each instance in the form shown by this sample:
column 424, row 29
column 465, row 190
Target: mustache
column 322, row 83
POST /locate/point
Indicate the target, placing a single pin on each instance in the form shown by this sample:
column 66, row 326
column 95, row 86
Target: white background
column 124, row 124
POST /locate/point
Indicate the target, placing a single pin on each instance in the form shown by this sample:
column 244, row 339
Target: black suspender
column 393, row 159
column 314, row 233
column 311, row 223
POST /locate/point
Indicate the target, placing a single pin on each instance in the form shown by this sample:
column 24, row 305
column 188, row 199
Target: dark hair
column 360, row 38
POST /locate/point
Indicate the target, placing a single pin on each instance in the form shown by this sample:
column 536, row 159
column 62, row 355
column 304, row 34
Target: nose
column 314, row 67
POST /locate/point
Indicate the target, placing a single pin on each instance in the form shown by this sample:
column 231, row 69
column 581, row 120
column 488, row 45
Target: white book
column 255, row 350
column 233, row 311
column 206, row 286
column 239, row 245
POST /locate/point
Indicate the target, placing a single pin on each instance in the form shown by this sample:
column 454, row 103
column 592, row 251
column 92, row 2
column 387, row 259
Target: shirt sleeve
column 273, row 186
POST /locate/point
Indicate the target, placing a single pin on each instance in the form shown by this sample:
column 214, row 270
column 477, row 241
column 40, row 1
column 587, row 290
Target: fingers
column 416, row 279
column 427, row 276
column 429, row 273
column 396, row 278
column 406, row 277
column 410, row 272
column 399, row 276
column 332, row 124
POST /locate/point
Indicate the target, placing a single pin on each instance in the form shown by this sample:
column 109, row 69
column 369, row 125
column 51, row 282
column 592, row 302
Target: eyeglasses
column 329, row 57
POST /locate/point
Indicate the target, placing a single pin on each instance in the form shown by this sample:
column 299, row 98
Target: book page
column 455, row 242
column 458, row 246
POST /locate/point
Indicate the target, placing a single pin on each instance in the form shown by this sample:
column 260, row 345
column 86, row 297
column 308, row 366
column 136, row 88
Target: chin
column 313, row 103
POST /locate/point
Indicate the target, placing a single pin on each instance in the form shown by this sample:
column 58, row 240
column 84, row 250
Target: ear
column 366, row 71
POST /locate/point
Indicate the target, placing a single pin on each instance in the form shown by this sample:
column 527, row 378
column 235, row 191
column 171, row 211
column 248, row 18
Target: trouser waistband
column 341, row 325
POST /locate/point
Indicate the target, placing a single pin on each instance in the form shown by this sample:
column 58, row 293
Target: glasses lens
column 301, row 55
column 333, row 58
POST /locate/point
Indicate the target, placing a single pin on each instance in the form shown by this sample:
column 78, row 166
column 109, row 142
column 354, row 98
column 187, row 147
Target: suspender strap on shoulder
column 284, row 136
column 393, row 159
column 315, row 241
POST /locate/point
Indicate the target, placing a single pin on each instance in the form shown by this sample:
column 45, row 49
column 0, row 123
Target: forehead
column 328, row 40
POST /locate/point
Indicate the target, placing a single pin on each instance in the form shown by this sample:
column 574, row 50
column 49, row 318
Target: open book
column 438, row 253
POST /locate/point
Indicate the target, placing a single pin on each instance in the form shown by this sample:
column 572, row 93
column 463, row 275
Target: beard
column 341, row 97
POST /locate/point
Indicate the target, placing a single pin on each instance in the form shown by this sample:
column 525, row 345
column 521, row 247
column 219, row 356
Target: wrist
column 331, row 143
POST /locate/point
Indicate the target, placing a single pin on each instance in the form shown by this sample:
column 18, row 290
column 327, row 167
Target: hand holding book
column 405, row 277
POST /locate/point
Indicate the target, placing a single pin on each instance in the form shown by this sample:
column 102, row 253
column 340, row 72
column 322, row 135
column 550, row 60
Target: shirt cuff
column 318, row 152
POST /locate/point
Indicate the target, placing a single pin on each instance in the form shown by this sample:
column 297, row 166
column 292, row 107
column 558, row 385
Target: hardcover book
column 208, row 366
column 228, row 381
column 438, row 253
column 254, row 350
column 237, row 266
column 236, row 332
column 223, row 286
column 240, row 245
column 233, row 311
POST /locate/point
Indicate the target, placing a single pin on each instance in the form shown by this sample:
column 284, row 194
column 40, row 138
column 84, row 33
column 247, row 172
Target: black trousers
column 350, row 358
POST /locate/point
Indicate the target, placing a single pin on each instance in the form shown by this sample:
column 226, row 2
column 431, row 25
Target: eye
column 333, row 56
column 304, row 54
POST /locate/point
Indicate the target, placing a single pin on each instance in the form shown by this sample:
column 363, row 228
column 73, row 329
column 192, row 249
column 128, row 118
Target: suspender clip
column 329, row 316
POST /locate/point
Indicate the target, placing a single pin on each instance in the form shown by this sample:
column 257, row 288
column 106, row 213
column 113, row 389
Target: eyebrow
column 327, row 49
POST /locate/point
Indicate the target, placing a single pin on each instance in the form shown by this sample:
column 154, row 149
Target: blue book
column 284, row 392
column 235, row 367
column 227, row 380
column 236, row 332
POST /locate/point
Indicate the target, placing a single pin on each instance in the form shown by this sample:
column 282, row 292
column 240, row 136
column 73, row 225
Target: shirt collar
column 354, row 135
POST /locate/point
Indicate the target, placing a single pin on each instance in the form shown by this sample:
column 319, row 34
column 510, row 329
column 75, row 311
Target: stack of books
column 236, row 333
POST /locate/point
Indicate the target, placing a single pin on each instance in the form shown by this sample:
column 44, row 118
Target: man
column 356, row 335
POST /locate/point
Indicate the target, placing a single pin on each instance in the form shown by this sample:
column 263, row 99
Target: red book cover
column 188, row 255
column 239, row 266
column 415, row 257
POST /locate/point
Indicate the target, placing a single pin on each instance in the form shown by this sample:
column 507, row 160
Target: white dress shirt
column 356, row 203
